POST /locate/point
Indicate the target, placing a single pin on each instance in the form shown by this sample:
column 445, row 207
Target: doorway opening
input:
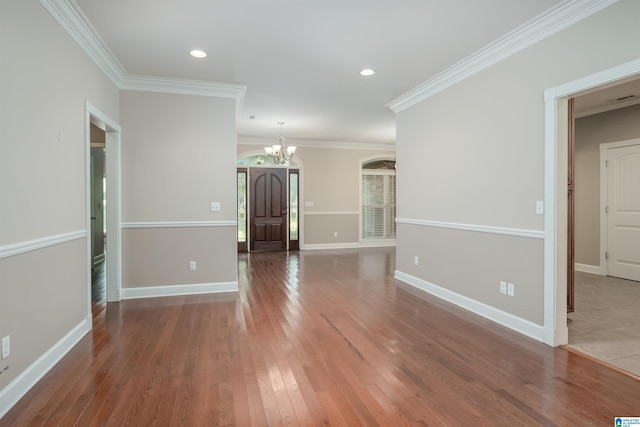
column 607, row 226
column 102, row 178
column 556, row 243
column 268, row 205
column 98, row 219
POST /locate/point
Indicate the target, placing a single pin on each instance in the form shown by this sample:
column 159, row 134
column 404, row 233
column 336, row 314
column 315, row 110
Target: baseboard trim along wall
column 586, row 268
column 505, row 319
column 178, row 290
column 12, row 393
column 44, row 242
column 352, row 245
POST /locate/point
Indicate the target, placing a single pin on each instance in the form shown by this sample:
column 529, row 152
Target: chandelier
column 280, row 153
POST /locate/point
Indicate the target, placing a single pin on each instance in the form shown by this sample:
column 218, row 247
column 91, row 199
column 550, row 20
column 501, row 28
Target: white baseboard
column 586, row 268
column 351, row 245
column 510, row 321
column 178, row 290
column 12, row 393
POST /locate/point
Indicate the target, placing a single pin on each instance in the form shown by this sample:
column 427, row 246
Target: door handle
column 94, row 217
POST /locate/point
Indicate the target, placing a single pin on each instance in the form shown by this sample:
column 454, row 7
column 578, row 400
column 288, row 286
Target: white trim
column 508, row 320
column 76, row 24
column 113, row 160
column 586, row 268
column 333, row 213
column 186, row 87
column 308, row 143
column 610, row 75
column 351, row 245
column 555, row 245
column 604, row 195
column 620, row 144
column 43, row 242
column 80, row 29
column 179, row 224
column 533, row 234
column 544, row 25
column 178, row 290
column 12, row 393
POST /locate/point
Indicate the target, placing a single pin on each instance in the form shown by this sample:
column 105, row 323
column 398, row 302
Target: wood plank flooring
column 318, row 338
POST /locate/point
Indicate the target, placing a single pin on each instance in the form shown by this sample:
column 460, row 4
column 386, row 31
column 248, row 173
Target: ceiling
column 619, row 95
column 300, row 59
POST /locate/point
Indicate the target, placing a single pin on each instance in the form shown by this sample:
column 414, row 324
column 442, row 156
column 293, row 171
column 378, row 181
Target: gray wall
column 45, row 79
column 178, row 156
column 591, row 131
column 473, row 154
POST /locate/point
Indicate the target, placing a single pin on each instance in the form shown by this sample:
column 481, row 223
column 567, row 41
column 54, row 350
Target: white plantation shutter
column 378, row 204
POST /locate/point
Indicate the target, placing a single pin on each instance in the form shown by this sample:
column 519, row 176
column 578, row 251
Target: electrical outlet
column 416, row 261
column 511, row 291
column 335, row 234
column 215, row 206
column 503, row 287
column 192, row 266
column 6, row 346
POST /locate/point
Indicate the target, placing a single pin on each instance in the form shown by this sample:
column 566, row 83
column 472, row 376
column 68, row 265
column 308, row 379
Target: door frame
column 604, row 197
column 555, row 330
column 300, row 169
column 112, row 152
column 284, row 188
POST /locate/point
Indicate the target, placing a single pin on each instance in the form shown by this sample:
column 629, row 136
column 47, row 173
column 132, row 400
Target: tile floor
column 606, row 321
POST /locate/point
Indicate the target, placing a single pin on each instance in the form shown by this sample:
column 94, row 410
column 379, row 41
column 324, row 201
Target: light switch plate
column 539, row 207
column 6, row 346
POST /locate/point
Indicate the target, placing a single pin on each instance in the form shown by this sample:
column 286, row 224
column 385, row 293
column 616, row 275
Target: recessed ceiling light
column 198, row 53
column 367, row 72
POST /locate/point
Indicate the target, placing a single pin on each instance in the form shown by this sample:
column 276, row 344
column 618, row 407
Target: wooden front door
column 268, row 209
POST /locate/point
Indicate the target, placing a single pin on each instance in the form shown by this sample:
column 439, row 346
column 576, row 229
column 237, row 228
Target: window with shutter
column 378, row 200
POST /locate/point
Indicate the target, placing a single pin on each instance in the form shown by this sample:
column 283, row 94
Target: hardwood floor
column 318, row 338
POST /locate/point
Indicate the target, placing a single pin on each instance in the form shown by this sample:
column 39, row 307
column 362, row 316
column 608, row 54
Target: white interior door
column 623, row 218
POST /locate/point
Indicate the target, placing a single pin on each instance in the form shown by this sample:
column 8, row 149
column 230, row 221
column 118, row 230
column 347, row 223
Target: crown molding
column 71, row 18
column 344, row 145
column 186, row 87
column 544, row 25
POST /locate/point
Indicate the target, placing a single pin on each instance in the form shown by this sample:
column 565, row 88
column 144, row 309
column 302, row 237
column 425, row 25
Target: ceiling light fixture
column 280, row 153
column 367, row 72
column 198, row 53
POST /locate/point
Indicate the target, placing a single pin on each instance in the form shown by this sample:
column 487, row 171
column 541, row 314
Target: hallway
column 606, row 324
